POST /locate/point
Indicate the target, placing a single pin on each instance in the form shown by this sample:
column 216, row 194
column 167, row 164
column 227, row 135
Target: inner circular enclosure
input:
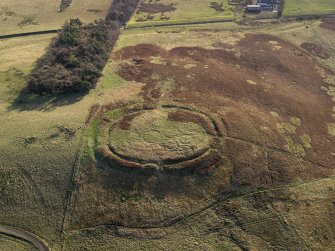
column 152, row 136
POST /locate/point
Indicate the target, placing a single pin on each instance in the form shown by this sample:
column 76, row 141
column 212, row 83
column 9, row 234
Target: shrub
column 64, row 4
column 75, row 59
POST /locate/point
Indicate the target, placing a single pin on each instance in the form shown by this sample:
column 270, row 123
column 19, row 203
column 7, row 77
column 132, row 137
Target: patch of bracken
column 217, row 6
column 153, row 8
column 316, row 50
column 64, row 4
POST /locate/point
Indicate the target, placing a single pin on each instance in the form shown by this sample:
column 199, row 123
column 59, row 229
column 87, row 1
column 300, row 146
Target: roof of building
column 253, row 6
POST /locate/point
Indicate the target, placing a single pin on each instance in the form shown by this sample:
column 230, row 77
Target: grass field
column 308, row 7
column 26, row 16
column 39, row 142
column 185, row 11
column 12, row 244
column 17, row 57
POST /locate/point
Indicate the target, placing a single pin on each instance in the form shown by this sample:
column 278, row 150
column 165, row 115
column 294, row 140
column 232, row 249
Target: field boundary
column 158, row 24
column 283, row 18
column 25, row 34
column 76, row 165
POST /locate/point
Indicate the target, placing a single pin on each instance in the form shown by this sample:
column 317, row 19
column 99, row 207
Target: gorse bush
column 122, row 10
column 64, row 4
column 75, row 59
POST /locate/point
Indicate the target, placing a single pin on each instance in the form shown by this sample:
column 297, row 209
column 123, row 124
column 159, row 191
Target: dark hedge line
column 75, row 59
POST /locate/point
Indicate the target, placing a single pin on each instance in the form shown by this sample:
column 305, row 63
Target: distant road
column 224, row 21
column 180, row 23
column 24, row 235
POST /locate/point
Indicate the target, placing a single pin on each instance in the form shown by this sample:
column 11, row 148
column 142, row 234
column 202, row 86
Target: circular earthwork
column 168, row 138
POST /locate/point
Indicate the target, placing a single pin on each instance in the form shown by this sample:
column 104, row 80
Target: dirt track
column 25, row 235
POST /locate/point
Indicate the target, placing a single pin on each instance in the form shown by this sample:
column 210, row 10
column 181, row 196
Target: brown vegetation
column 153, row 8
column 285, row 81
column 217, row 6
column 328, row 23
column 259, row 101
column 316, row 50
column 125, row 122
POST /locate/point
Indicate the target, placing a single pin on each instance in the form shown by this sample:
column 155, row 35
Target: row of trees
column 75, row 59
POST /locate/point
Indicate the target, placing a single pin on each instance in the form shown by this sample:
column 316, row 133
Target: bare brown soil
column 328, row 23
column 284, row 81
column 316, row 50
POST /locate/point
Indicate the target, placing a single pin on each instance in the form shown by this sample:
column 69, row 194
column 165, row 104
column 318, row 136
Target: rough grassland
column 186, row 11
column 16, row 60
column 163, row 137
column 19, row 52
column 11, row 244
column 26, row 16
column 38, row 144
column 308, row 7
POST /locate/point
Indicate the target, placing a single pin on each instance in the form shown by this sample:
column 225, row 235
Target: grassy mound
column 153, row 137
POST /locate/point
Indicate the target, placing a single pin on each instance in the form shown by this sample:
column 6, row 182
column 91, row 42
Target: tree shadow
column 26, row 101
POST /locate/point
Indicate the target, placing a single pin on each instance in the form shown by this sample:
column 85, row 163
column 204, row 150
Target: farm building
column 268, row 2
column 267, row 5
column 253, row 8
